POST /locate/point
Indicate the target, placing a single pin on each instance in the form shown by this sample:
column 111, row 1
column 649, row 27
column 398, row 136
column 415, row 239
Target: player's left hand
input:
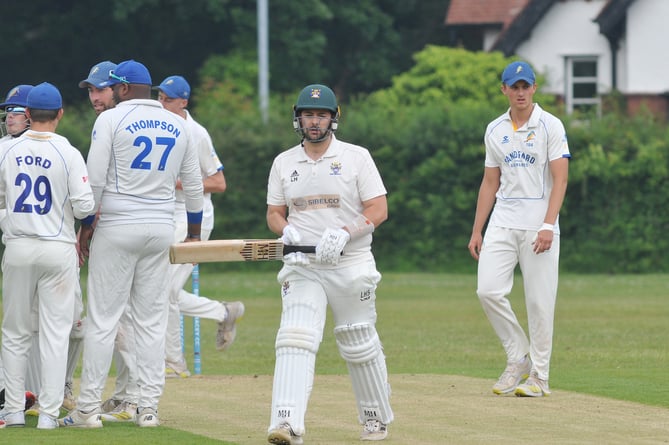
column 331, row 245
column 296, row 259
column 542, row 241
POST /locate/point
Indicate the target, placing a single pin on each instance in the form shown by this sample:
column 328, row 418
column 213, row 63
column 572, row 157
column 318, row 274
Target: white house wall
column 567, row 29
column 647, row 58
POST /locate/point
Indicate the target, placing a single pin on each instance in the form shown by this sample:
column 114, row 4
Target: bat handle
column 305, row 249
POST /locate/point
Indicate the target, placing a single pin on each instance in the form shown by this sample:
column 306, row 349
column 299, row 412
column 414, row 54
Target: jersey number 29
column 41, row 190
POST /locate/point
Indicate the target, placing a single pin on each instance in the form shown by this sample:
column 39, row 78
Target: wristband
column 546, row 226
column 190, row 235
column 359, row 227
column 89, row 220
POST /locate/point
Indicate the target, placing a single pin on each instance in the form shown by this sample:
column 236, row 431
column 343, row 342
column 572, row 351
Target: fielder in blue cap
column 15, row 121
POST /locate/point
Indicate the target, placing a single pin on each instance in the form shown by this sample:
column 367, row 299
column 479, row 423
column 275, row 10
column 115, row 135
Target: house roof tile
column 478, row 12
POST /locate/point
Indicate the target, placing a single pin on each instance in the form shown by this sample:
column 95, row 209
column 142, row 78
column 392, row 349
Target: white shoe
column 512, row 376
column 284, row 435
column 175, row 370
column 374, row 429
column 148, row 417
column 78, row 419
column 227, row 329
column 9, row 420
column 45, row 422
column 533, row 387
column 125, row 412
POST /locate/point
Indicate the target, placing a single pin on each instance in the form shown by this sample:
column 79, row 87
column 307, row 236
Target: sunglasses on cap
column 115, row 77
column 15, row 110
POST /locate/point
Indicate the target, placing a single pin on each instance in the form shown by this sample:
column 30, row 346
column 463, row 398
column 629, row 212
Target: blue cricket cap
column 44, row 97
column 99, row 75
column 516, row 71
column 17, row 96
column 174, row 87
column 130, row 72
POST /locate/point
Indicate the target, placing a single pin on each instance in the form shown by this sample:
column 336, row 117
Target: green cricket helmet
column 316, row 97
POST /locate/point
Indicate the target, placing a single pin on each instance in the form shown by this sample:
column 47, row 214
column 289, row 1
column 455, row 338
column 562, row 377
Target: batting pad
column 296, row 350
column 360, row 346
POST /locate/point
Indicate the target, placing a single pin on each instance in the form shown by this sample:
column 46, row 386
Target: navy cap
column 44, row 97
column 17, row 96
column 175, row 87
column 99, row 75
column 130, row 71
column 516, row 71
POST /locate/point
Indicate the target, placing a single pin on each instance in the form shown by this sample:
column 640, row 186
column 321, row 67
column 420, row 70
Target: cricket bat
column 232, row 250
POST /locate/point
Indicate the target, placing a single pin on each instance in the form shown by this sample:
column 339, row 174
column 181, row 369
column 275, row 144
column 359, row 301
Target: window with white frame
column 581, row 85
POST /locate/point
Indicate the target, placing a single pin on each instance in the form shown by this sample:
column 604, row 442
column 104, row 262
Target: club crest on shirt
column 335, row 168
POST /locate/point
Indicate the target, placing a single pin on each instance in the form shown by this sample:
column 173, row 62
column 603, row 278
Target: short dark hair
column 38, row 115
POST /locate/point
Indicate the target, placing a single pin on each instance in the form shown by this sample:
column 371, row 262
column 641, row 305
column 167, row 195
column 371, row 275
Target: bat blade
column 232, row 250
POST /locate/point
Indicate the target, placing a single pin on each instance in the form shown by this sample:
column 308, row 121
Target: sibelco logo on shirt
column 316, row 202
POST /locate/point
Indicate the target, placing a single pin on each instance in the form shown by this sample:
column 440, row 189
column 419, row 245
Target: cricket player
column 44, row 186
column 121, row 406
column 138, row 150
column 174, row 93
column 525, row 180
column 327, row 193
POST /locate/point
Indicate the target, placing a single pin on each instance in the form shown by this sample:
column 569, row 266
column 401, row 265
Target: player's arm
column 560, row 172
column 484, row 204
column 215, row 183
column 276, row 218
column 375, row 210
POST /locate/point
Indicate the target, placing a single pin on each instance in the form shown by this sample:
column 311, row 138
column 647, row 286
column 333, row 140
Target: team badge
column 335, row 168
column 519, row 69
column 285, row 287
column 315, row 93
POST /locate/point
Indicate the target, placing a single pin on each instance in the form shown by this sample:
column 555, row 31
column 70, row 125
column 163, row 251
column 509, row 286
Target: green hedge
column 426, row 135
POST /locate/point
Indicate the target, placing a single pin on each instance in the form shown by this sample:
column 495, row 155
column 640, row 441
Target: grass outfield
column 608, row 372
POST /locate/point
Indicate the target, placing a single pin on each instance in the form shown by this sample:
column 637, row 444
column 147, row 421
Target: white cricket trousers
column 306, row 293
column 126, row 270
column 45, row 271
column 186, row 303
column 502, row 250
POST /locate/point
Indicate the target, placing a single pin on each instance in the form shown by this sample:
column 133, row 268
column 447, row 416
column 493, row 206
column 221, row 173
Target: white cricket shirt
column 209, row 165
column 523, row 157
column 325, row 193
column 138, row 149
column 43, row 187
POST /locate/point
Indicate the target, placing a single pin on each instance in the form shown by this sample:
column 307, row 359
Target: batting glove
column 329, row 248
column 290, row 236
column 296, row 259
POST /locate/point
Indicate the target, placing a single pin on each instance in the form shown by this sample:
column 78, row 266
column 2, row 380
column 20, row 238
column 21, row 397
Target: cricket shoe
column 125, row 412
column 512, row 376
column 374, row 429
column 284, row 435
column 79, row 419
column 110, row 405
column 148, row 417
column 69, row 402
column 174, row 370
column 12, row 420
column 45, row 422
column 533, row 387
column 227, row 329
